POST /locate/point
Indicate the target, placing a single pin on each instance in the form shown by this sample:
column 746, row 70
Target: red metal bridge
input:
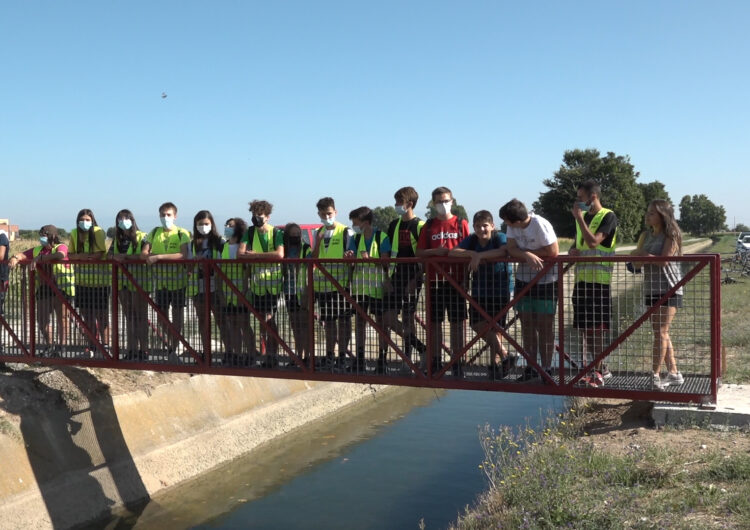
column 230, row 332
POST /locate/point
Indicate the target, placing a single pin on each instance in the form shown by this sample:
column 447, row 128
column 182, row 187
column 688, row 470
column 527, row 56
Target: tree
column 382, row 217
column 111, row 232
column 620, row 192
column 654, row 190
column 739, row 227
column 700, row 216
column 456, row 209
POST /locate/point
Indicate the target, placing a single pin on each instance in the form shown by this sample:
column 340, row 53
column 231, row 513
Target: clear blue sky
column 292, row 101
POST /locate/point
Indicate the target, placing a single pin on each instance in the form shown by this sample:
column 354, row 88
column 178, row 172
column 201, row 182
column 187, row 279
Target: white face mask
column 443, row 208
column 329, row 221
column 357, row 229
column 167, row 222
column 204, row 229
column 125, row 224
column 400, row 210
column 84, row 225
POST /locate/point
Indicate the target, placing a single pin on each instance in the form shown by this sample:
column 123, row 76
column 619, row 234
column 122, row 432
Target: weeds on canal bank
column 556, row 477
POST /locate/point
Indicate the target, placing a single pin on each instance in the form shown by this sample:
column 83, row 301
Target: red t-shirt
column 444, row 234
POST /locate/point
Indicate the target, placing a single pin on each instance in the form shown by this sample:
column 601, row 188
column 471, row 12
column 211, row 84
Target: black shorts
column 2, row 302
column 163, row 298
column 444, row 297
column 44, row 291
column 492, row 305
column 592, row 306
column 291, row 301
column 332, row 306
column 237, row 309
column 673, row 301
column 198, row 299
column 400, row 298
column 369, row 304
column 92, row 298
column 265, row 303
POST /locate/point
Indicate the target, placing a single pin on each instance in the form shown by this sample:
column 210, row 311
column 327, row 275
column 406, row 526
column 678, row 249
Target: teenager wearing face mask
column 596, row 235
column 88, row 242
column 331, row 242
column 295, row 278
column 163, row 244
column 206, row 244
column 126, row 248
column 264, row 244
column 50, row 249
column 439, row 235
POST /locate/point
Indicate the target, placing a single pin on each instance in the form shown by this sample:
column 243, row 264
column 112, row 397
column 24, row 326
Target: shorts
column 370, row 304
column 235, row 309
column 542, row 298
column 92, row 298
column 2, row 302
column 400, row 298
column 592, row 306
column 265, row 303
column 198, row 299
column 492, row 305
column 163, row 298
column 332, row 306
column 444, row 297
column 673, row 301
column 44, row 291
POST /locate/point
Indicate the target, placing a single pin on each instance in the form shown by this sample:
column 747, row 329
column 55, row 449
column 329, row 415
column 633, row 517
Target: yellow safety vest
column 89, row 275
column 195, row 279
column 168, row 276
column 139, row 271
column 265, row 278
column 368, row 277
column 334, row 250
column 236, row 273
column 595, row 272
column 62, row 273
column 396, row 241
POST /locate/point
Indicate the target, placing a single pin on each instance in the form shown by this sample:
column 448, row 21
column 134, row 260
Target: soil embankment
column 76, row 443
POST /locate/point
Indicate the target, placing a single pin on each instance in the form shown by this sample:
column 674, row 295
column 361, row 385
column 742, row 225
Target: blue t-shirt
column 491, row 280
column 385, row 245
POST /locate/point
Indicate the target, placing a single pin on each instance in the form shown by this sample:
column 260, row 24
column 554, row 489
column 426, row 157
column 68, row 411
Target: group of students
column 386, row 291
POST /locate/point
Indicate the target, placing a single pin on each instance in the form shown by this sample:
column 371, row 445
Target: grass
column 557, row 478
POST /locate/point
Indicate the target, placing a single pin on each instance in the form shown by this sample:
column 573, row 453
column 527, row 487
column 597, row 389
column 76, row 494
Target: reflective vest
column 265, row 278
column 89, row 275
column 168, row 276
column 139, row 270
column 368, row 278
column 196, row 282
column 334, row 250
column 598, row 271
column 236, row 273
column 62, row 273
column 396, row 239
column 295, row 280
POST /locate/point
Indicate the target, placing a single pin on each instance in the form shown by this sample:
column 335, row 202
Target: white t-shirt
column 538, row 234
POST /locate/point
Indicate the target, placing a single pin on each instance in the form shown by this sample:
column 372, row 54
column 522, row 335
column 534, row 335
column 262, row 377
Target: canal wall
column 70, row 451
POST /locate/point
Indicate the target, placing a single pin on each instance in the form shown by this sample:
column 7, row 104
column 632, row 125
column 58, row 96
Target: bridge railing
column 502, row 328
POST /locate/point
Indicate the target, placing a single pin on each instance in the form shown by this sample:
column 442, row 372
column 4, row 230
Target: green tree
column 739, row 227
column 654, row 190
column 382, row 217
column 456, row 209
column 700, row 216
column 620, row 192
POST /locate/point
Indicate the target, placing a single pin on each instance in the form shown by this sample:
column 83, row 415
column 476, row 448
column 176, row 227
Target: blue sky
column 292, row 101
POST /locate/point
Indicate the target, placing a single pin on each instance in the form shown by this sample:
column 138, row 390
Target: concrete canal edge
column 66, row 468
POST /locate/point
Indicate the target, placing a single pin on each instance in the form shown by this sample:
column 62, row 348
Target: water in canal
column 406, row 455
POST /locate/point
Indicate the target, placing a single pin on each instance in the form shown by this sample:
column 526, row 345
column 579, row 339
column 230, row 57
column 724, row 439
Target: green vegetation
column 558, row 478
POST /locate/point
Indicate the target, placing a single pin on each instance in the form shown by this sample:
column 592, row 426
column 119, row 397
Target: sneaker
column 495, row 372
column 509, row 363
column 606, row 374
column 597, row 378
column 657, row 383
column 528, row 374
column 587, row 382
column 675, row 379
column 548, row 371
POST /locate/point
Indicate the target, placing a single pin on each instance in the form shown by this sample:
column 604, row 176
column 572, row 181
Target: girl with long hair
column 663, row 238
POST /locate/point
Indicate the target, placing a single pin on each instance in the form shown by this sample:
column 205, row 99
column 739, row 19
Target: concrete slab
column 732, row 411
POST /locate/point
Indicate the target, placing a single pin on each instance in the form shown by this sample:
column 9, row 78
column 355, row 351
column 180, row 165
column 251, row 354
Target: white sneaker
column 657, row 383
column 675, row 379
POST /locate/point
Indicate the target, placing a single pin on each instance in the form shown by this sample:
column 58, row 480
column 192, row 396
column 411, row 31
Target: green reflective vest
column 89, row 275
column 595, row 272
column 368, row 278
column 334, row 250
column 236, row 273
column 62, row 273
column 167, row 275
column 265, row 278
column 139, row 270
